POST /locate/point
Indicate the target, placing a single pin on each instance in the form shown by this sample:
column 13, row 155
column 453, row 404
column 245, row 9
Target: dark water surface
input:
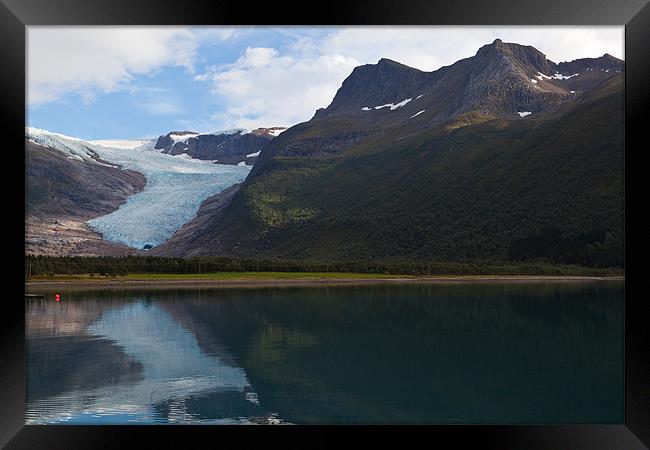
column 468, row 353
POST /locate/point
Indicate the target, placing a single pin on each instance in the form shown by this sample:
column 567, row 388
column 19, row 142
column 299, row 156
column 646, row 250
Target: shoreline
column 186, row 283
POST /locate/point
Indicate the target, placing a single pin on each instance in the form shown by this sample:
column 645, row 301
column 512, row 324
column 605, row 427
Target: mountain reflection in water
column 158, row 366
column 486, row 353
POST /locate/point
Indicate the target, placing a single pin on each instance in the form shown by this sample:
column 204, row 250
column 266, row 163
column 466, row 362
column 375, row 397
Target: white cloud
column 429, row 48
column 256, row 58
column 267, row 87
column 91, row 60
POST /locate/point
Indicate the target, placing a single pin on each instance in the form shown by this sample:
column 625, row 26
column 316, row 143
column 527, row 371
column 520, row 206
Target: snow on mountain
column 556, row 76
column 76, row 148
column 125, row 143
column 175, row 188
column 181, row 137
column 392, row 106
column 276, row 131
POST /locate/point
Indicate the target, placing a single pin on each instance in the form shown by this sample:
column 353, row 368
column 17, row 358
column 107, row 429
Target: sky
column 141, row 82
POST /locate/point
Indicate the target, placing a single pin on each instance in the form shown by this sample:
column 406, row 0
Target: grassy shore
column 281, row 279
column 219, row 276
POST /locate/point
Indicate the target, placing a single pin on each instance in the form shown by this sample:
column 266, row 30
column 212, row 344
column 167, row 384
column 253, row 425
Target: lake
column 427, row 353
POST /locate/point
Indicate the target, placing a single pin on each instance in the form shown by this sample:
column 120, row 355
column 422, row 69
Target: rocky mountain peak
column 375, row 84
column 501, row 79
column 523, row 56
column 385, row 63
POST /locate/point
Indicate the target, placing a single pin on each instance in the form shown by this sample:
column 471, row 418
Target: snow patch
column 533, row 80
column 555, row 76
column 523, row 113
column 277, row 131
column 182, row 137
column 417, row 114
column 400, row 104
column 242, row 163
column 392, row 106
column 253, row 155
column 559, row 76
column 573, row 92
column 419, row 96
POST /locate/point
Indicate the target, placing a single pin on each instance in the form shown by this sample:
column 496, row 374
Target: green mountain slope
column 470, row 187
column 499, row 190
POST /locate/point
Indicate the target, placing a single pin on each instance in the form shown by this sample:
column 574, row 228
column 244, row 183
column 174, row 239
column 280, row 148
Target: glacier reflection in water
column 170, row 370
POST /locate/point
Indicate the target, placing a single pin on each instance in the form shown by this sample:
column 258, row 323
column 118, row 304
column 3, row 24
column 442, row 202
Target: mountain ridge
column 225, row 147
column 364, row 181
column 520, row 64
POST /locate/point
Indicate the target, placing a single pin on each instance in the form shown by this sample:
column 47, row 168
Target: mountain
column 68, row 184
column 500, row 80
column 80, row 189
column 226, row 147
column 502, row 156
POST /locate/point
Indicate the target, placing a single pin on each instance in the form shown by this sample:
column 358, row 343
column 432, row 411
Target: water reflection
column 376, row 354
column 166, row 369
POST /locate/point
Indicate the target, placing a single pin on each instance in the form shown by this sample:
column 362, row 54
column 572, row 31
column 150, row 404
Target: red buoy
column 57, row 297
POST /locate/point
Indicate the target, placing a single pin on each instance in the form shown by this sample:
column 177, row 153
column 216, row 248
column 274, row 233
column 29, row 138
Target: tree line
column 124, row 265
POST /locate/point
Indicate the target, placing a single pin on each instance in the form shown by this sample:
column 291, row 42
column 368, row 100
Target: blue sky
column 132, row 82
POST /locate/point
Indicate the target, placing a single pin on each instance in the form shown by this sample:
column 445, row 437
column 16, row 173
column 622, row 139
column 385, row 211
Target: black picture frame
column 15, row 15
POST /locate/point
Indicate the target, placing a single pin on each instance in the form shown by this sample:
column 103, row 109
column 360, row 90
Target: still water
column 466, row 353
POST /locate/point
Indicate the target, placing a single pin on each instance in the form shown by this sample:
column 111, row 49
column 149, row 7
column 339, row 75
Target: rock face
column 63, row 193
column 377, row 84
column 499, row 78
column 229, row 147
column 499, row 156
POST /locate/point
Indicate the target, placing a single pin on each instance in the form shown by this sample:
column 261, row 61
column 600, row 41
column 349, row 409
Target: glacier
column 175, row 187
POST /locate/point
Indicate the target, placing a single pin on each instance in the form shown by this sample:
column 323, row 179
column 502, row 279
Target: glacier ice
column 175, row 188
column 125, row 143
